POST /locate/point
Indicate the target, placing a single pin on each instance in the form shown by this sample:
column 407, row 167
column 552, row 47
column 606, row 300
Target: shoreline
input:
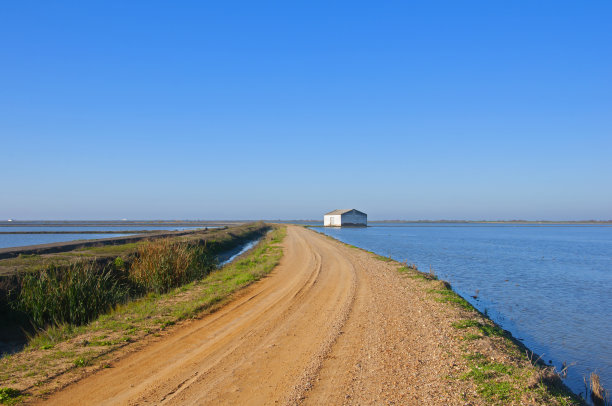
column 539, row 363
column 515, row 275
column 363, row 329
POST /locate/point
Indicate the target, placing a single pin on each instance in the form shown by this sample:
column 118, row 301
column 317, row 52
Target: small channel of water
column 230, row 256
column 14, row 341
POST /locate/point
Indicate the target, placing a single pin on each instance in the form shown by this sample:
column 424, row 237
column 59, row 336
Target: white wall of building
column 332, row 220
column 337, row 220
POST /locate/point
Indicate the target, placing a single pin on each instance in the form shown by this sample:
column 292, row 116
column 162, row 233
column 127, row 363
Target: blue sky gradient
column 249, row 110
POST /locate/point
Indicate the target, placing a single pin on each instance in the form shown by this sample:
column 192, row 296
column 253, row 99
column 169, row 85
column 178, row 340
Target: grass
column 164, row 264
column 77, row 292
column 64, row 347
column 461, row 324
column 81, row 362
column 30, row 263
column 486, row 330
column 28, row 256
column 502, row 383
column 497, row 383
column 74, row 295
column 413, row 272
column 384, row 259
column 447, row 295
column 9, row 396
column 471, row 337
column 117, row 249
column 516, row 380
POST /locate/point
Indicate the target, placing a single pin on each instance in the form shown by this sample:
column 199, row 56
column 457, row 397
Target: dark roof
column 342, row 211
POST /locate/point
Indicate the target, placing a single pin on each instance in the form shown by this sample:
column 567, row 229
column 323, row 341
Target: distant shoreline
column 578, row 222
column 63, row 246
column 114, row 223
column 189, row 223
column 80, row 232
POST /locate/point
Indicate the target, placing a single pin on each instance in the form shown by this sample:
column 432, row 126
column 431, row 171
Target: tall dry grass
column 599, row 395
column 78, row 293
column 163, row 264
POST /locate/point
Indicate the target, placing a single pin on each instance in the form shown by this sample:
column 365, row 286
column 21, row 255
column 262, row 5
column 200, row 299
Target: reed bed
column 162, row 265
column 599, row 395
column 78, row 293
column 74, row 295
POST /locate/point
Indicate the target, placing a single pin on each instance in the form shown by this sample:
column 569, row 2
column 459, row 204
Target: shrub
column 8, row 395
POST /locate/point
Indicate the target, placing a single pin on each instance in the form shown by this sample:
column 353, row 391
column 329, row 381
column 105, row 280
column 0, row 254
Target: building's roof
column 342, row 211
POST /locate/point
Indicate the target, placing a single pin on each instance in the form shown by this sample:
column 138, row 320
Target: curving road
column 330, row 325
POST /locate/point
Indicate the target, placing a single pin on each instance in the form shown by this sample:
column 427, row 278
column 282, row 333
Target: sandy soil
column 330, row 325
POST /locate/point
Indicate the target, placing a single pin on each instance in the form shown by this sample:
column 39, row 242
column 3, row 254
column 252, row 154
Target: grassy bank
column 102, row 250
column 62, row 353
column 76, row 286
column 503, row 369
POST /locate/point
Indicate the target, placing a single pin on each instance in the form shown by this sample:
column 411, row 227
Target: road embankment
column 64, row 354
column 58, row 247
column 331, row 324
column 76, row 285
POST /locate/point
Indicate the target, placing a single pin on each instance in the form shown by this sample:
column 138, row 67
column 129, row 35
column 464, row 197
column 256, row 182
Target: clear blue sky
column 405, row 110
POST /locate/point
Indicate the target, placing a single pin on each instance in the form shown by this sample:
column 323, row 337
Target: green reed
column 78, row 293
column 75, row 294
column 162, row 265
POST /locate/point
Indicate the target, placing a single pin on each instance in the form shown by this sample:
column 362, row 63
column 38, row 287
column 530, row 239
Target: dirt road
column 330, row 325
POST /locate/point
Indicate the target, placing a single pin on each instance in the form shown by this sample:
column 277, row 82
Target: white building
column 348, row 217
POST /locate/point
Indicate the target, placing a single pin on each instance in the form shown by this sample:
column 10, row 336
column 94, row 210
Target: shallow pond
column 19, row 240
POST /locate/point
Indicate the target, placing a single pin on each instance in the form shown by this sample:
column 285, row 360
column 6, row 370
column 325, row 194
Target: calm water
column 18, row 240
column 551, row 286
column 118, row 229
